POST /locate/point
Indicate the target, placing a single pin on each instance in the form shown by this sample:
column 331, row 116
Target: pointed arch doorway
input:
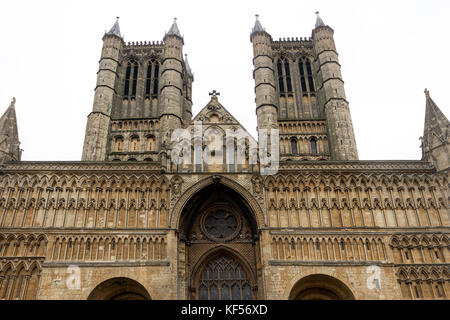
column 219, row 252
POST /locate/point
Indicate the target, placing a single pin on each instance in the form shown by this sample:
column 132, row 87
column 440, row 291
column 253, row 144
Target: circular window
column 221, row 224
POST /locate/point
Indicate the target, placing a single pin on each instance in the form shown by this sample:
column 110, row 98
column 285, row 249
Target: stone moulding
column 107, row 264
column 285, row 166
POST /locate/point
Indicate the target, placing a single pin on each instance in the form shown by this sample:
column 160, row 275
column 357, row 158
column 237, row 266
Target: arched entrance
column 219, row 247
column 119, row 289
column 320, row 287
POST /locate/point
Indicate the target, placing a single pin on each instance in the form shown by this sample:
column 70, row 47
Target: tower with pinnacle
column 143, row 93
column 299, row 89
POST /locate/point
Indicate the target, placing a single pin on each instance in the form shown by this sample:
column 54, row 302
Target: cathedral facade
column 168, row 205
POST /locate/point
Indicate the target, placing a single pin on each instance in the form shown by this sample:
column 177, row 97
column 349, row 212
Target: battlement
column 140, row 44
column 296, row 39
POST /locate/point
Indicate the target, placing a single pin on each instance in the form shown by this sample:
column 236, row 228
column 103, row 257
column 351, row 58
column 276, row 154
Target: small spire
column 436, row 136
column 174, row 29
column 188, row 68
column 115, row 30
column 258, row 26
column 9, row 135
column 319, row 21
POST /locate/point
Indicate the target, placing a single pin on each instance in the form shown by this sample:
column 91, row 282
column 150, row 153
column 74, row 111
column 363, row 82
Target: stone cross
column 214, row 94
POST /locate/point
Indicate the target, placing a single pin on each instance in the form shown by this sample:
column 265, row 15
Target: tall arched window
column 151, row 143
column 134, row 144
column 304, row 65
column 287, row 71
column 280, row 77
column 294, row 146
column 151, row 85
column 310, row 78
column 118, row 144
column 313, row 145
column 131, row 76
column 284, row 76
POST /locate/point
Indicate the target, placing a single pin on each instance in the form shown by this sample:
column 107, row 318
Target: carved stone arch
column 119, row 289
column 269, row 182
column 8, row 266
column 174, row 221
column 324, row 286
column 444, row 240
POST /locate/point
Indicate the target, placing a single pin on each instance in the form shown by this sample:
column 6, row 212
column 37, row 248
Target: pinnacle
column 258, row 26
column 174, row 29
column 188, row 68
column 115, row 30
column 319, row 21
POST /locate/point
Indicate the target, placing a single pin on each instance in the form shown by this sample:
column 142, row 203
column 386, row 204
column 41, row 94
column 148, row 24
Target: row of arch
column 419, row 249
column 298, row 248
column 354, row 180
column 304, row 145
column 305, row 127
column 108, row 248
column 424, row 282
column 23, row 245
column 139, row 182
column 147, row 125
column 134, row 143
column 19, row 280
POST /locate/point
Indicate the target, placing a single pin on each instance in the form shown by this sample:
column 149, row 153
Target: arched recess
column 244, row 194
column 225, row 270
column 218, row 222
column 119, row 289
column 320, row 287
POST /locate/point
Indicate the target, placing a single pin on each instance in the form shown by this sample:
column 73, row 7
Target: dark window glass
column 231, row 279
column 294, row 146
column 313, row 146
column 135, row 76
column 311, row 84
column 155, row 79
column 149, row 79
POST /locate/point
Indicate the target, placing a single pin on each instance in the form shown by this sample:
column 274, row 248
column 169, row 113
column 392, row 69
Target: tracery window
column 131, row 76
column 220, row 224
column 224, row 279
column 306, row 76
column 284, row 76
column 151, row 85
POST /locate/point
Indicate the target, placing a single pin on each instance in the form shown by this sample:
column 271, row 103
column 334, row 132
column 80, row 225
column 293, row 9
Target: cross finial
column 175, row 19
column 214, row 94
column 317, row 12
column 427, row 93
column 13, row 102
column 117, row 18
column 257, row 16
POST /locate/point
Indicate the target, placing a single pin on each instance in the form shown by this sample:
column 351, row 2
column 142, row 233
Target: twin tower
column 144, row 92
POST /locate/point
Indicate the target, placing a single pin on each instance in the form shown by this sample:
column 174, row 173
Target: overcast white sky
column 389, row 52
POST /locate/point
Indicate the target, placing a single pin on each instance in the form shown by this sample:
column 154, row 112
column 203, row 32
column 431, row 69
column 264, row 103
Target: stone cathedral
column 128, row 222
